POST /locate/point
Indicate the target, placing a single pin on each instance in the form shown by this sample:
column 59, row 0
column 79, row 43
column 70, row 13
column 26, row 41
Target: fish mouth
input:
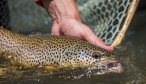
column 106, row 66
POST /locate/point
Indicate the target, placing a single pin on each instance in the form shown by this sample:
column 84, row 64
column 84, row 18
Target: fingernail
column 110, row 49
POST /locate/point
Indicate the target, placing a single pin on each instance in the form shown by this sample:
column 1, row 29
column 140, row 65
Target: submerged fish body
column 56, row 51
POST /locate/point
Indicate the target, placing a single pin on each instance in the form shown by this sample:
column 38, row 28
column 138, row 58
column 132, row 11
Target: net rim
column 131, row 12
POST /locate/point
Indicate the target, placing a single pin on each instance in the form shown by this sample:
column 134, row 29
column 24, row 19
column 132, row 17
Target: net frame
column 121, row 34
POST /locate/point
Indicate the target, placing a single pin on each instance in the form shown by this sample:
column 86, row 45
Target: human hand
column 66, row 21
column 74, row 28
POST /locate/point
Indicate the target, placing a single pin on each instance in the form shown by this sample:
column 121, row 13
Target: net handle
column 131, row 11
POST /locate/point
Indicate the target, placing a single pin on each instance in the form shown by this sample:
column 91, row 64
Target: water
column 133, row 59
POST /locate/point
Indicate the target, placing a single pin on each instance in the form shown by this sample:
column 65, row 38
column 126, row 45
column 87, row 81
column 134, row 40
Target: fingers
column 93, row 39
column 76, row 29
column 55, row 30
column 102, row 45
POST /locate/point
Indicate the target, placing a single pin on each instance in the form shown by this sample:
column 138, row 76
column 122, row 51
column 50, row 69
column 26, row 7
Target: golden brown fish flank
column 58, row 51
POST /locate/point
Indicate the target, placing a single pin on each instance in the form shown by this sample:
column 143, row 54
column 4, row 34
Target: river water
column 133, row 58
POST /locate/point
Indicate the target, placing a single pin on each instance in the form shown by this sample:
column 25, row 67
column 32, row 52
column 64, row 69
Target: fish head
column 99, row 63
column 95, row 59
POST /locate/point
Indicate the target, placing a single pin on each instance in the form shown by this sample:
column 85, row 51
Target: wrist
column 61, row 9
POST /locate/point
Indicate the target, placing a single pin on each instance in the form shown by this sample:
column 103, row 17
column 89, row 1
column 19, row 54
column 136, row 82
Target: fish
column 56, row 52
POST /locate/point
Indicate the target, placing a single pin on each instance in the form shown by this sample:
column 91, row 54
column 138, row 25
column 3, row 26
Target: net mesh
column 104, row 17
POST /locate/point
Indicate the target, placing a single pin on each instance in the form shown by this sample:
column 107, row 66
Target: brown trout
column 56, row 52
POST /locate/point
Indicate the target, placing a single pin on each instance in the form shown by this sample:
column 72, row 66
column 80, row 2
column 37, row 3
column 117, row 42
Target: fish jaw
column 106, row 66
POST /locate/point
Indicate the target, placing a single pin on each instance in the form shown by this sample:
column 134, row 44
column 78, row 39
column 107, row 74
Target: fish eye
column 96, row 55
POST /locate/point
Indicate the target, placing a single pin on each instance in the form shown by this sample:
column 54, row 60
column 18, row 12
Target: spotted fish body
column 58, row 51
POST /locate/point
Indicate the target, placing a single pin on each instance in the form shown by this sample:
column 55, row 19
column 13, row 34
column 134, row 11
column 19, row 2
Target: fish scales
column 58, row 51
